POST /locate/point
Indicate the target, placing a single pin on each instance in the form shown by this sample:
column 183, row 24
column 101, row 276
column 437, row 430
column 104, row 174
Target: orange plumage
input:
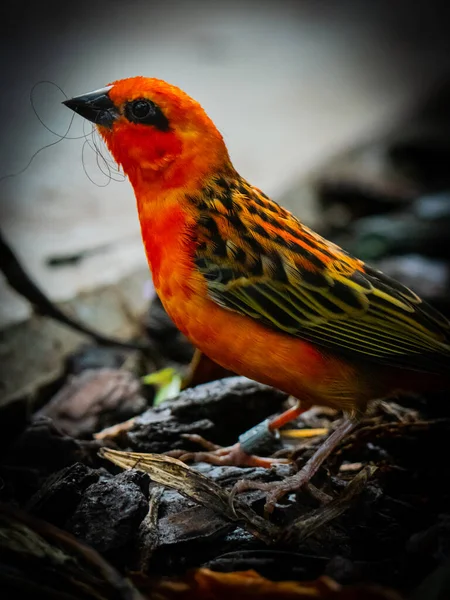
column 250, row 286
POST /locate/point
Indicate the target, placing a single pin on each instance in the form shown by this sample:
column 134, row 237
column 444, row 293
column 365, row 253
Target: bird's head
column 154, row 130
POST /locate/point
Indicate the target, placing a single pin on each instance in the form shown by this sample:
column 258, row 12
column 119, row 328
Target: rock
column 182, row 520
column 44, row 446
column 110, row 512
column 41, row 561
column 40, row 451
column 162, row 436
column 34, row 352
column 220, row 409
column 59, row 496
column 94, row 400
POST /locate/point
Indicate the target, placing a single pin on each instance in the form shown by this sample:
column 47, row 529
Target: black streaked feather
column 310, row 289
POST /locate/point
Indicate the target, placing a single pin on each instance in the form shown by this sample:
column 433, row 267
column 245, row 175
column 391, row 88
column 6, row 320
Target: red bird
column 251, row 286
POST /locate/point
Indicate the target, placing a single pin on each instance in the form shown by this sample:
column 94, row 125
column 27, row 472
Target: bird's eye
column 145, row 112
column 140, row 109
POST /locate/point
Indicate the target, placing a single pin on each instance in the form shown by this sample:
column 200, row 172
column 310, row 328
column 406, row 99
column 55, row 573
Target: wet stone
column 110, row 512
column 220, row 410
column 60, row 494
column 94, row 400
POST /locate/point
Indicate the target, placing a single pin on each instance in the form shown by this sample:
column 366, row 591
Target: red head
column 158, row 134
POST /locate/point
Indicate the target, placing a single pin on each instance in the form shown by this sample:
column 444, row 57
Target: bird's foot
column 258, row 439
column 223, row 456
column 275, row 490
column 278, row 489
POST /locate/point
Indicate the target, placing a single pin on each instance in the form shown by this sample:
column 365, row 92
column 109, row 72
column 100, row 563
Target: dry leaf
column 203, row 584
column 187, row 481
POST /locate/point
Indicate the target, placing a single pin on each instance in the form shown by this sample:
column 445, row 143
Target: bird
column 251, row 286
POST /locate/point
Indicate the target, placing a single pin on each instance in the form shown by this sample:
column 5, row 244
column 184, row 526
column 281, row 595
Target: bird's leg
column 276, row 490
column 245, row 452
column 286, row 417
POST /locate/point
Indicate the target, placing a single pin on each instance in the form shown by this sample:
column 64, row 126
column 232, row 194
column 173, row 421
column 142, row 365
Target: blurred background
column 290, row 84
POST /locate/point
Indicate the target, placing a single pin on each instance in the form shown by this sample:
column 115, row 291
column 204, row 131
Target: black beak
column 95, row 106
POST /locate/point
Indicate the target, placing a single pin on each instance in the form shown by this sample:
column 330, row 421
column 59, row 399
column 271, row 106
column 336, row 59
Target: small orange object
column 204, row 584
column 304, row 433
column 252, row 287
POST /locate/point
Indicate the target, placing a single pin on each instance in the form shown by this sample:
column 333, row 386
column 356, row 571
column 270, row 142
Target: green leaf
column 167, row 383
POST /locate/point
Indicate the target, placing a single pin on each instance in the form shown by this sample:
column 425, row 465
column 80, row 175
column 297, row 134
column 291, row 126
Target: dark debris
column 110, row 512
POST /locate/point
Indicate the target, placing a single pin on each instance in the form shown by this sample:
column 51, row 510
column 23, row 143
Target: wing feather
column 279, row 272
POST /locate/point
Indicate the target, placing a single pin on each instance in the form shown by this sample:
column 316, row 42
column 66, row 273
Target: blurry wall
column 287, row 83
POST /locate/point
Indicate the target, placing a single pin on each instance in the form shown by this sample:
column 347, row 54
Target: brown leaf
column 203, row 584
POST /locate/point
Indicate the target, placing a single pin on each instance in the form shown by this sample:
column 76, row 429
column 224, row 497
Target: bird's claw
column 224, row 456
column 275, row 490
column 243, row 486
column 231, row 456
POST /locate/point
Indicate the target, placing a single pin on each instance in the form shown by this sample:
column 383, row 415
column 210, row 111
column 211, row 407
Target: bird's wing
column 260, row 261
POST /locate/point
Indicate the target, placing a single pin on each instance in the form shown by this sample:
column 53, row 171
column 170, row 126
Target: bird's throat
column 167, row 232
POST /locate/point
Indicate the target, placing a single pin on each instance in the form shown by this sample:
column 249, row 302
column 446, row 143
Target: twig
column 305, row 526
